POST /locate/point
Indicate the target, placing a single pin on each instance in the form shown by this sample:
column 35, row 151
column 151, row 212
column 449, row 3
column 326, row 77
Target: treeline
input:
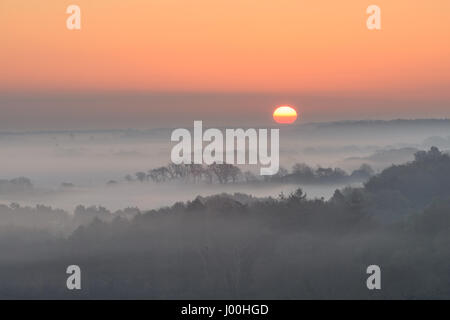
column 41, row 217
column 227, row 173
column 20, row 184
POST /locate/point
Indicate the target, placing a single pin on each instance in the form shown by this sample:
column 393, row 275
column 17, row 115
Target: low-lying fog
column 72, row 168
column 149, row 195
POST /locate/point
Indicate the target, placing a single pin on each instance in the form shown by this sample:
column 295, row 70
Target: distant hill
column 383, row 158
column 392, row 131
column 368, row 124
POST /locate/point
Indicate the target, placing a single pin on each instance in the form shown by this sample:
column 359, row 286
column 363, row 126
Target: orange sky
column 303, row 47
column 225, row 45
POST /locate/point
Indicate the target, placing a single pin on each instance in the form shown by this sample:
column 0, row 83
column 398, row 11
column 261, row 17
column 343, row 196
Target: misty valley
column 347, row 195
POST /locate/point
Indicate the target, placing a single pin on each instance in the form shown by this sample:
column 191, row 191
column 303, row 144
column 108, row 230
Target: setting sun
column 285, row 114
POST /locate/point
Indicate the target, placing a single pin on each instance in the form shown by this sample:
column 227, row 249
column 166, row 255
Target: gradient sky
column 222, row 57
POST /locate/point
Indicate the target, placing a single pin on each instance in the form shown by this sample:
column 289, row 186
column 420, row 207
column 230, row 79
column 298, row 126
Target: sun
column 285, row 114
